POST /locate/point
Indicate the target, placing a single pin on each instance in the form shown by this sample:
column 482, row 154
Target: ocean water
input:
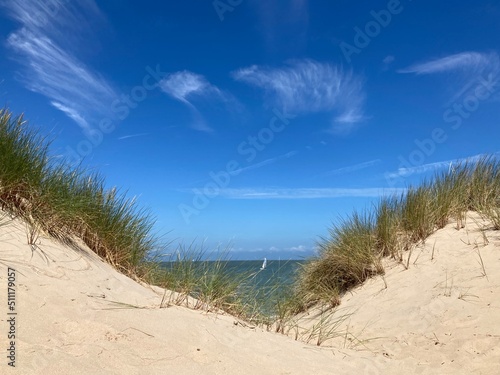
column 276, row 271
column 266, row 285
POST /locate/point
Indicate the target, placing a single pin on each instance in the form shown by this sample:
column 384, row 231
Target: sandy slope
column 443, row 313
column 77, row 315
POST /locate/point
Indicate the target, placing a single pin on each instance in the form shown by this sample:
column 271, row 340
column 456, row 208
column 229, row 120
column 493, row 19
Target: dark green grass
column 68, row 203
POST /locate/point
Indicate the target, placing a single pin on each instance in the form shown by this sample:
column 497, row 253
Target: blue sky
column 256, row 124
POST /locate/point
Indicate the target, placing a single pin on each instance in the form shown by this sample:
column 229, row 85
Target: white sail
column 264, row 264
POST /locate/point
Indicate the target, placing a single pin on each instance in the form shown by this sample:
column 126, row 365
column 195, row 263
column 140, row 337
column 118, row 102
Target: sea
column 265, row 283
column 275, row 273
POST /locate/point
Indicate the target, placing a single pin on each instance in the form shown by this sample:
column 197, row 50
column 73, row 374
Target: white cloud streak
column 56, row 17
column 420, row 169
column 432, row 167
column 132, row 136
column 184, row 86
column 352, row 168
column 306, row 193
column 267, row 162
column 470, row 68
column 308, row 86
column 51, row 69
column 464, row 61
column 181, row 85
column 73, row 114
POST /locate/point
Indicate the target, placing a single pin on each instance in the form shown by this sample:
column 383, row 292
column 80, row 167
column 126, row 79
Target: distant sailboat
column 264, row 264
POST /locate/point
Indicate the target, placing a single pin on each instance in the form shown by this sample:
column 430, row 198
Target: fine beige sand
column 439, row 316
column 77, row 315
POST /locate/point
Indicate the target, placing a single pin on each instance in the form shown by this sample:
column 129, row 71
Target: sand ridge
column 443, row 312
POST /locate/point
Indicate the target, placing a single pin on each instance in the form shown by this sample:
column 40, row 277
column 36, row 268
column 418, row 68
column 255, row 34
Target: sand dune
column 77, row 315
column 442, row 314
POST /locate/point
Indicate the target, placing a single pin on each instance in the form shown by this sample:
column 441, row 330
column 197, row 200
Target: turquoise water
column 276, row 272
column 266, row 284
column 270, row 284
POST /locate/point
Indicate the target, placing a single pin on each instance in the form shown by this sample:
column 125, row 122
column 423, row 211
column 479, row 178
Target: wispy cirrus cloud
column 57, row 17
column 420, row 169
column 186, row 86
column 305, row 193
column 470, row 67
column 267, row 162
column 132, row 136
column 352, row 168
column 73, row 114
column 43, row 47
column 308, row 86
column 252, row 166
column 465, row 61
column 432, row 167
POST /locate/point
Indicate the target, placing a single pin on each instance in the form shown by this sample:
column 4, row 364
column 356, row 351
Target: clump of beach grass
column 67, row 202
column 493, row 214
column 484, row 185
column 347, row 259
column 200, row 283
column 387, row 224
column 450, row 192
column 210, row 281
column 485, row 190
column 355, row 247
column 418, row 212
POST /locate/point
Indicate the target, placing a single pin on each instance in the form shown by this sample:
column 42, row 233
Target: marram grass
column 68, row 203
column 355, row 247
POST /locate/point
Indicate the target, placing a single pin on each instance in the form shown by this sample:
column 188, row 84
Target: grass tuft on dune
column 355, row 247
column 69, row 202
